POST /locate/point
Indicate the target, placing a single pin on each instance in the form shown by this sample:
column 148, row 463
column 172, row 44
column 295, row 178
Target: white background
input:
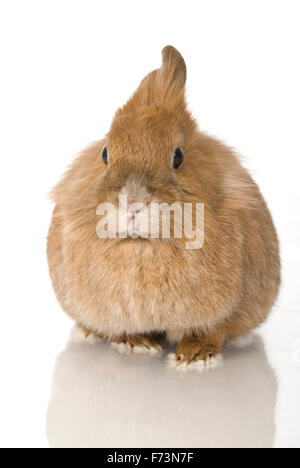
column 65, row 68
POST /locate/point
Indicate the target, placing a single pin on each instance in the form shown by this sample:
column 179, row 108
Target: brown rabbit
column 128, row 289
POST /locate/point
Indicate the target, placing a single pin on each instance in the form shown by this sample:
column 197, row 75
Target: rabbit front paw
column 138, row 344
column 193, row 354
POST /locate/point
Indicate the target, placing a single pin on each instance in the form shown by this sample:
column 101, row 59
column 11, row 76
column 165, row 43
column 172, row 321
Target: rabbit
column 131, row 289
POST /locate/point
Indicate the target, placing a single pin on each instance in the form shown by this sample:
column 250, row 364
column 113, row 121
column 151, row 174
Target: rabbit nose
column 135, row 191
column 131, row 216
column 132, row 213
column 135, row 211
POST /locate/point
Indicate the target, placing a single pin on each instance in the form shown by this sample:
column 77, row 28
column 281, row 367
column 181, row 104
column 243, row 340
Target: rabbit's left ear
column 171, row 77
column 165, row 86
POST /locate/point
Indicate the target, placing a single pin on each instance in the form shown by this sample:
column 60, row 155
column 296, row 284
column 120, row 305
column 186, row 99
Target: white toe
column 125, row 348
column 199, row 366
column 121, row 347
column 154, row 351
column 146, row 350
column 215, row 362
column 140, row 350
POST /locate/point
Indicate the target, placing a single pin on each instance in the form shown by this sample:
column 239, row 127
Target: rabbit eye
column 105, row 155
column 178, row 158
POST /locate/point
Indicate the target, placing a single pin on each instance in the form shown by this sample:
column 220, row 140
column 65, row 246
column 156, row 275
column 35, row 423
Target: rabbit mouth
column 152, row 221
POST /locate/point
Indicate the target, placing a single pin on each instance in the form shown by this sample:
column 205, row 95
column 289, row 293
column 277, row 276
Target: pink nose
column 132, row 214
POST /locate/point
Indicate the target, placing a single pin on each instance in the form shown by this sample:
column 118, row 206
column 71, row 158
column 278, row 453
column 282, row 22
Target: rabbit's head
column 144, row 152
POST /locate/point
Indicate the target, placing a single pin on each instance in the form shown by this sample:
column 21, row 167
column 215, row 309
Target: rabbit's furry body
column 120, row 288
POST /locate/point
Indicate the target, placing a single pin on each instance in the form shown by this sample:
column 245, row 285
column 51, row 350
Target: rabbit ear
column 165, row 86
column 172, row 74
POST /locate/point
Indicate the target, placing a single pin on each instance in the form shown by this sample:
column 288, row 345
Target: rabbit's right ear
column 165, row 86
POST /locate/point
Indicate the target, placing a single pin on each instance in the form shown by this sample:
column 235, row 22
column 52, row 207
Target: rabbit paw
column 138, row 344
column 192, row 355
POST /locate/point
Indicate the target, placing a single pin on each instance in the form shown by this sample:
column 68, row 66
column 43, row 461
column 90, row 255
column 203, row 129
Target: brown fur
column 131, row 287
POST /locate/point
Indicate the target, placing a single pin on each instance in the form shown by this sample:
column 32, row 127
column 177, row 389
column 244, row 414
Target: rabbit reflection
column 103, row 399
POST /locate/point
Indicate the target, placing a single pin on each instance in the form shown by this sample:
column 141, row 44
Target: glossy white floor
column 104, row 399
